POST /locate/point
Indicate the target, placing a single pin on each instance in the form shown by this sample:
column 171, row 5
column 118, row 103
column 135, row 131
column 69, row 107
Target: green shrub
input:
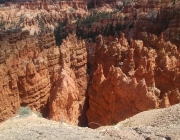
column 24, row 112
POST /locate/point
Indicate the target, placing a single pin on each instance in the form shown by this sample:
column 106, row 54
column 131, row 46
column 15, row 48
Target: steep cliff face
column 117, row 97
column 156, row 17
column 132, row 78
column 40, row 15
column 167, row 73
column 25, row 69
column 172, row 32
column 126, row 78
column 31, row 69
column 73, row 59
column 9, row 97
column 64, row 104
column 151, row 61
column 147, row 5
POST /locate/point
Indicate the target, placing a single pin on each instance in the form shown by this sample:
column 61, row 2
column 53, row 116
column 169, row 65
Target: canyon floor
column 157, row 124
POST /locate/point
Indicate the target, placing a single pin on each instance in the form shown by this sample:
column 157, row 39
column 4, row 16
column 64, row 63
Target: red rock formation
column 46, row 15
column 117, row 97
column 64, row 105
column 90, row 48
column 31, row 69
column 132, row 78
column 107, row 55
column 167, row 73
column 147, row 6
column 27, row 71
column 9, row 97
column 126, row 78
column 156, row 17
column 74, row 56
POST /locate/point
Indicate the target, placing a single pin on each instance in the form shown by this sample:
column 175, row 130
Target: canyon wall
column 41, row 15
column 46, row 4
column 23, row 83
column 154, row 17
column 68, row 92
column 125, row 78
column 130, row 78
column 30, row 69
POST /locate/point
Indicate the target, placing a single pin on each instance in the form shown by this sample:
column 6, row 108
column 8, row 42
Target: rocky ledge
column 157, row 124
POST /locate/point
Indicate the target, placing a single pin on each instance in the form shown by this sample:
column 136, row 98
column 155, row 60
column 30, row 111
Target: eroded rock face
column 41, row 15
column 130, row 78
column 68, row 94
column 117, row 97
column 126, row 78
column 26, row 71
column 35, row 73
column 64, row 104
column 9, row 97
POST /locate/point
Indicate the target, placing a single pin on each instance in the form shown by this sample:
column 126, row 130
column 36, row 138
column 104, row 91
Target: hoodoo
column 89, row 62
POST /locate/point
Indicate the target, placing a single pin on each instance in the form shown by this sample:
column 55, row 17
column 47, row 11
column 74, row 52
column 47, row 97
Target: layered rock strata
column 40, row 15
column 26, row 72
column 129, row 78
column 154, row 17
column 30, row 68
column 117, row 97
column 70, row 94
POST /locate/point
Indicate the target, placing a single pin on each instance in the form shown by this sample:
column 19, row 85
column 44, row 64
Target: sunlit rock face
column 154, row 16
column 68, row 94
column 38, row 15
column 130, row 78
column 124, row 76
column 117, row 97
column 26, row 71
column 32, row 69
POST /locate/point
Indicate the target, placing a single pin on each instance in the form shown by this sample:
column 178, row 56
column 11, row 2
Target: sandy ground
column 157, row 124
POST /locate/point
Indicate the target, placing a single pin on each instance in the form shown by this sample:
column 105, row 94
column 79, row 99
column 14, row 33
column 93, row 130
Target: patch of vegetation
column 3, row 1
column 21, row 21
column 41, row 24
column 119, row 7
column 24, row 112
column 60, row 33
column 90, row 5
column 96, row 17
column 84, row 24
column 2, row 24
column 126, row 123
column 72, row 10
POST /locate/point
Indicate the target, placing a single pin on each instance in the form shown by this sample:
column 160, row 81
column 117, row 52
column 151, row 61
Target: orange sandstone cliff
column 30, row 69
column 126, row 76
column 68, row 93
column 130, row 78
